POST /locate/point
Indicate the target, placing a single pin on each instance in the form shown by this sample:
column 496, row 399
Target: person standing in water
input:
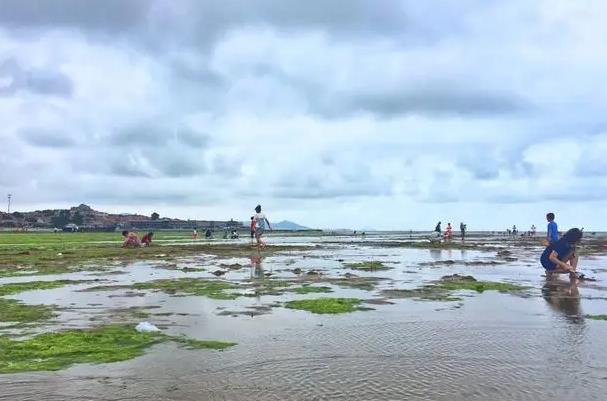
column 552, row 235
column 448, row 232
column 462, row 229
column 260, row 226
column 194, row 235
column 438, row 230
column 560, row 256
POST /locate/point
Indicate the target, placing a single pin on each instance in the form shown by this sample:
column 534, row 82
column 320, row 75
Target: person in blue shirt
column 553, row 230
column 560, row 256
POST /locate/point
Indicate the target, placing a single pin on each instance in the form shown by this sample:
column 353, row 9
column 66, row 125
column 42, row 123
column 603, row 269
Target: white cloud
column 391, row 117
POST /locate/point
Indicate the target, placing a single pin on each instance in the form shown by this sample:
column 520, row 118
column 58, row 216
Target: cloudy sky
column 342, row 113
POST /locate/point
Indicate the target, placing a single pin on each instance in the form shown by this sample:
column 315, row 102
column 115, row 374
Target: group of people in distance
column 258, row 226
column 448, row 235
column 514, row 231
column 131, row 240
column 559, row 257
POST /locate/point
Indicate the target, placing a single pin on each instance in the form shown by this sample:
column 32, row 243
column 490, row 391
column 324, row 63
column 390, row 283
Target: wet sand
column 535, row 344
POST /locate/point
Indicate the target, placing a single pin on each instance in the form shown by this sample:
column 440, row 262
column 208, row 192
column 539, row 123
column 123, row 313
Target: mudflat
column 388, row 316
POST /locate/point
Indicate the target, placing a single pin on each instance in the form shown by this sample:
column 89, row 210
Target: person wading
column 260, row 226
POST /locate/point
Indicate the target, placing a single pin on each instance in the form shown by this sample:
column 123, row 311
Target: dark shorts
column 545, row 260
column 252, row 233
column 259, row 232
column 548, row 265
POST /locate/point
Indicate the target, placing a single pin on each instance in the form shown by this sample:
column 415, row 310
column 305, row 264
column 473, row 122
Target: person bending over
column 147, row 239
column 130, row 240
column 560, row 256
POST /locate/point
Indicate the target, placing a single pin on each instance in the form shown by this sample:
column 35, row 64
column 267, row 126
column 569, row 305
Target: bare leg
column 556, row 272
column 573, row 261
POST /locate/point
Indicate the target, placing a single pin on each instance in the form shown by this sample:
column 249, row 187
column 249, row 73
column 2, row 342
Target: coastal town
column 84, row 218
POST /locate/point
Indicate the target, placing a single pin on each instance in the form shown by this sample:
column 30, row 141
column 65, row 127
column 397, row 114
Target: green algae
column 140, row 314
column 190, row 343
column 309, row 289
column 215, row 289
column 250, row 311
column 442, row 290
column 12, row 310
column 279, row 287
column 23, row 254
column 131, row 314
column 369, row 265
column 99, row 288
column 357, row 283
column 596, row 317
column 106, row 344
column 458, row 283
column 429, row 293
column 326, row 305
column 268, row 287
column 15, row 288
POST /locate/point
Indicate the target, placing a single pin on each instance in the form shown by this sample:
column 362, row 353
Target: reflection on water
column 256, row 267
column 356, row 361
column 564, row 297
column 436, row 254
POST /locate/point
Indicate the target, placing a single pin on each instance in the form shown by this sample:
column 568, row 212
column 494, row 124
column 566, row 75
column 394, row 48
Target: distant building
column 71, row 228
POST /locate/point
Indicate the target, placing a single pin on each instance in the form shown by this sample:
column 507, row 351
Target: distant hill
column 288, row 225
column 88, row 219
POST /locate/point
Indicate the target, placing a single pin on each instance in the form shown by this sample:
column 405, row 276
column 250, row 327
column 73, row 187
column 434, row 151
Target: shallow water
column 531, row 346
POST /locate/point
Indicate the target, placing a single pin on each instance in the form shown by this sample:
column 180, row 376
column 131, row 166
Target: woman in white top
column 260, row 226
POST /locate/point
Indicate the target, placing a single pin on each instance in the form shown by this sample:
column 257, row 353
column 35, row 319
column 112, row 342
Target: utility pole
column 9, row 202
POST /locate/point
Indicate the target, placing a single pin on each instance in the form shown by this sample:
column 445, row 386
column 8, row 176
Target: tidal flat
column 387, row 316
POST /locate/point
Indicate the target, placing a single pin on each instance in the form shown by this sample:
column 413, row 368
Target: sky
column 343, row 113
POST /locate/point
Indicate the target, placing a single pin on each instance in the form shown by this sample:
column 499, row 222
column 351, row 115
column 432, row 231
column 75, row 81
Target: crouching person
column 561, row 256
column 130, row 240
column 147, row 239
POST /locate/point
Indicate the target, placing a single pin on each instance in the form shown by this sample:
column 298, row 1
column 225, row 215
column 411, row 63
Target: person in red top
column 147, row 239
column 448, row 232
column 130, row 240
